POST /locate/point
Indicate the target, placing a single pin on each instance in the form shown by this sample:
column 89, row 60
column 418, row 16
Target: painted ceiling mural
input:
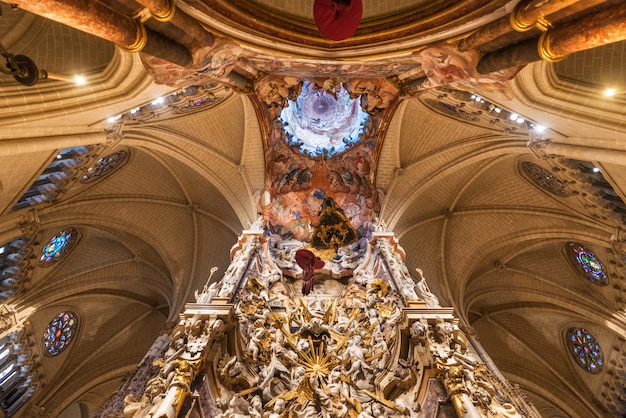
column 321, row 146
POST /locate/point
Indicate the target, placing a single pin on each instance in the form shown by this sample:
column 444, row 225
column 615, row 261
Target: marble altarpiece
column 353, row 334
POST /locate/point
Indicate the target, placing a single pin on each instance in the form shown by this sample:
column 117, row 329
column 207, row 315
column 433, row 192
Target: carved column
column 97, row 19
column 452, row 376
column 477, row 346
column 524, row 17
column 179, row 389
column 135, row 383
column 166, row 11
column 588, row 32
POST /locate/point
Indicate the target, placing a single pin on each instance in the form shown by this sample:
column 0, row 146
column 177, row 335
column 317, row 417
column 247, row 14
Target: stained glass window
column 105, row 166
column 544, row 179
column 585, row 349
column 587, row 264
column 59, row 332
column 58, row 245
column 52, row 179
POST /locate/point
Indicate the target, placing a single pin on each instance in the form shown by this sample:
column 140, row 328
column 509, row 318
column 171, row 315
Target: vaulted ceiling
column 450, row 178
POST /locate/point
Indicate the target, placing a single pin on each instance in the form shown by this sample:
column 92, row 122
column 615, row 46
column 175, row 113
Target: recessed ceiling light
column 610, row 92
column 80, row 80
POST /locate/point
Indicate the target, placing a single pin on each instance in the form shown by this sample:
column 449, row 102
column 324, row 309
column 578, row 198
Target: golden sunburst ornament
column 318, row 363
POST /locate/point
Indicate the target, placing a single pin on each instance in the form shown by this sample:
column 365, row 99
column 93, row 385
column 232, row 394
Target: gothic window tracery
column 544, row 178
column 105, row 166
column 586, row 263
column 59, row 332
column 585, row 349
column 17, row 373
column 13, row 259
column 59, row 245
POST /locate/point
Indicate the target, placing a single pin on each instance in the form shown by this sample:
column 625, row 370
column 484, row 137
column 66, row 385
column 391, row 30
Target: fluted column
column 97, row 19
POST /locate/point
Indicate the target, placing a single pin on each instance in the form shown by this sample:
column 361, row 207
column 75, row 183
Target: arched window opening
column 55, row 176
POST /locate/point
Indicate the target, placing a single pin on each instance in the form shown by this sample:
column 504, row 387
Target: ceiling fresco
column 239, row 115
column 322, row 140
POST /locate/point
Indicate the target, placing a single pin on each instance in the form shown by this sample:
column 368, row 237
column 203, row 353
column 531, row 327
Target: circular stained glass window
column 105, row 166
column 544, row 178
column 585, row 349
column 587, row 264
column 58, row 245
column 59, row 333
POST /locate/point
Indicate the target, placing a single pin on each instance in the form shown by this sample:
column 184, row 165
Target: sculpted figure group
column 317, row 356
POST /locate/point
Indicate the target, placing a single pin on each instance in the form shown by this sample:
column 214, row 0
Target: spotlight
column 79, row 80
column 610, row 92
column 513, row 116
column 540, row 128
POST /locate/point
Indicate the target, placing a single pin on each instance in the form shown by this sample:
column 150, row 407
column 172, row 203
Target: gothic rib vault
column 449, row 181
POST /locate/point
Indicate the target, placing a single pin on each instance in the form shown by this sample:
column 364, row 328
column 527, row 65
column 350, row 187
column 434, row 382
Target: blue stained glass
column 57, row 246
column 592, row 267
column 59, row 332
column 584, row 349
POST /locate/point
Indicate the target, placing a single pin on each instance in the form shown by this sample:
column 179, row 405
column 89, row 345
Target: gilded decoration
column 355, row 346
column 301, row 175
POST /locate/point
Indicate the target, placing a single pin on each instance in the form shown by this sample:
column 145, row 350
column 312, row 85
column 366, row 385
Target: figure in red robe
column 308, row 262
column 337, row 19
